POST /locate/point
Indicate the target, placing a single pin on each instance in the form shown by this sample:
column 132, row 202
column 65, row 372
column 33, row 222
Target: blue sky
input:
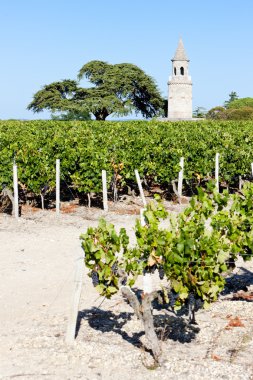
column 49, row 40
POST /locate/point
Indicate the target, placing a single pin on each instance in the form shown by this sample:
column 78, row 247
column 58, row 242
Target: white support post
column 140, row 187
column 71, row 329
column 143, row 223
column 252, row 169
column 240, row 182
column 57, row 187
column 217, row 156
column 105, row 199
column 180, row 177
column 15, row 187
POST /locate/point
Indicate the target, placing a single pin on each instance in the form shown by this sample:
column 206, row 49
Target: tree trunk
column 101, row 114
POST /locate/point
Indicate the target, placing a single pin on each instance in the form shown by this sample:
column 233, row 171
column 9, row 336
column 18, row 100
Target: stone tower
column 180, row 86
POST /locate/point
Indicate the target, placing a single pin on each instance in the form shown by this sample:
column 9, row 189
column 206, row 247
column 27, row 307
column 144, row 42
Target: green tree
column 241, row 103
column 243, row 113
column 238, row 109
column 232, row 96
column 55, row 97
column 117, row 89
column 216, row 113
column 200, row 112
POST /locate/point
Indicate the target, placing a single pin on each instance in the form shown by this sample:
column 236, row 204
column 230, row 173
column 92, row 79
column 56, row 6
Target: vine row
column 154, row 148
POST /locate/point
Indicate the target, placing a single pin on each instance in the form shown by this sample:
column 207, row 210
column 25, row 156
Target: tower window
column 181, row 71
column 175, row 71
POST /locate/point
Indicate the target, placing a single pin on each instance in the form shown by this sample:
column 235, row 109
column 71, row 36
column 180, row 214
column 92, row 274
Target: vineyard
column 190, row 256
column 154, row 148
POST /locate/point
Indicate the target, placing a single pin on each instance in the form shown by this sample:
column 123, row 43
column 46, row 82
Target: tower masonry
column 180, row 86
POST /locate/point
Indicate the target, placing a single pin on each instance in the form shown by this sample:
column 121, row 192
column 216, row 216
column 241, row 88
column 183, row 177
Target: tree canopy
column 199, row 112
column 240, row 103
column 216, row 113
column 232, row 96
column 117, row 89
column 220, row 113
column 234, row 109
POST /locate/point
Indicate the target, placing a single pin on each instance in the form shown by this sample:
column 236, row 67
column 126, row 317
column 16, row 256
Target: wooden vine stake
column 240, row 182
column 143, row 222
column 42, row 201
column 57, row 187
column 74, row 306
column 105, row 199
column 15, row 187
column 180, row 178
column 140, row 187
column 89, row 200
column 217, row 156
column 252, row 169
column 147, row 280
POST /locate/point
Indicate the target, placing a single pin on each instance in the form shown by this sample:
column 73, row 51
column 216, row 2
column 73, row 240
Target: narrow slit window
column 175, row 71
column 181, row 70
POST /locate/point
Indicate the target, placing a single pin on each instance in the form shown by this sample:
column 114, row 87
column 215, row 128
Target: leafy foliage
column 243, row 113
column 234, row 109
column 217, row 113
column 241, row 103
column 195, row 252
column 55, row 97
column 103, row 246
column 155, row 148
column 236, row 221
column 232, row 96
column 118, row 89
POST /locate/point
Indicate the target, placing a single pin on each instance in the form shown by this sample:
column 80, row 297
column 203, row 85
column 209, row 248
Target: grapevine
column 193, row 253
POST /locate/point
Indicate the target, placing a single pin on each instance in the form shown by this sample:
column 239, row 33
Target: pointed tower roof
column 180, row 54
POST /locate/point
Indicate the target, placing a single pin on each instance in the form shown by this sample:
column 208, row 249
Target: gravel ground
column 38, row 254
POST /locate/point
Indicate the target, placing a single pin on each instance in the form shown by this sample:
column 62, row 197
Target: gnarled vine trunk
column 143, row 311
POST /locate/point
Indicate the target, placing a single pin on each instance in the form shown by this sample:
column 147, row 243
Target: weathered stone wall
column 180, row 100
